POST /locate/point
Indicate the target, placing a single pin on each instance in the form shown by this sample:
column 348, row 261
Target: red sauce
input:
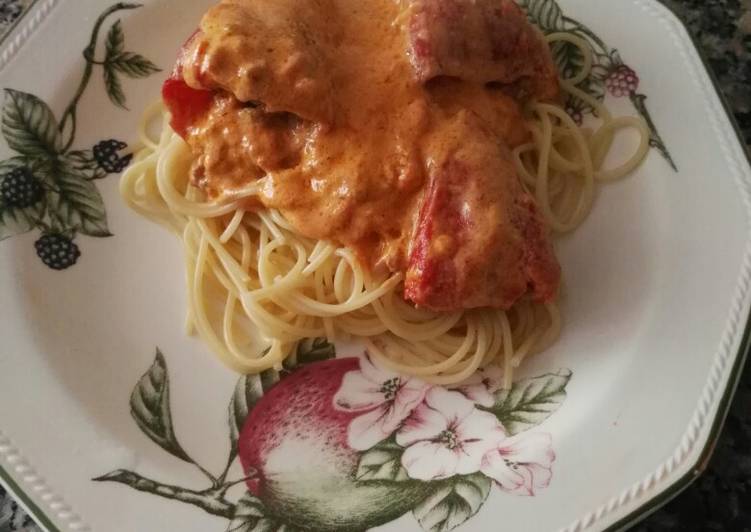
column 320, row 99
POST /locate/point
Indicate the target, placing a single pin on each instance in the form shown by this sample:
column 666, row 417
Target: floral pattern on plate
column 344, row 444
column 48, row 185
column 609, row 75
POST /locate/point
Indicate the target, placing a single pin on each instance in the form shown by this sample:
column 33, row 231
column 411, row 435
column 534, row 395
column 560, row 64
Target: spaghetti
column 257, row 287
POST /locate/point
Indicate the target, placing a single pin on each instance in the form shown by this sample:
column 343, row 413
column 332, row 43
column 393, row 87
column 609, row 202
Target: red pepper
column 186, row 104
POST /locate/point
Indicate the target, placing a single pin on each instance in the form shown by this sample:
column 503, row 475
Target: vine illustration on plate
column 610, row 74
column 49, row 186
column 341, row 444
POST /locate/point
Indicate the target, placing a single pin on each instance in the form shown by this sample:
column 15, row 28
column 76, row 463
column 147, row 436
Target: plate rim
column 677, row 487
column 18, row 34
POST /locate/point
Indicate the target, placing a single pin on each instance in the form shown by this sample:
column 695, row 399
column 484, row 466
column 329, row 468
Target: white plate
column 657, row 296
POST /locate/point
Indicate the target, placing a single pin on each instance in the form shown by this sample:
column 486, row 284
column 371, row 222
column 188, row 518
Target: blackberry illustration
column 623, row 81
column 575, row 114
column 20, row 188
column 57, row 251
column 107, row 157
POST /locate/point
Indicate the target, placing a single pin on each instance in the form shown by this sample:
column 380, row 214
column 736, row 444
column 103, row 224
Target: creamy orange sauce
column 345, row 156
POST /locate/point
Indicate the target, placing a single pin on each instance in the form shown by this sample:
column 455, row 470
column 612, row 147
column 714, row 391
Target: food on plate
column 386, row 171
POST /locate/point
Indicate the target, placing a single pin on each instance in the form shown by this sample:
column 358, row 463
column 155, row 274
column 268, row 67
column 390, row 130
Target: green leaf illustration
column 81, row 158
column 453, row 503
column 529, row 402
column 29, row 126
column 39, row 167
column 115, row 44
column 546, row 14
column 150, row 408
column 130, row 64
column 568, row 58
column 311, row 350
column 251, row 516
column 16, row 221
column 117, row 60
column 601, row 69
column 113, row 86
column 382, row 462
column 75, row 203
column 133, row 65
column 83, row 162
column 19, row 161
column 248, row 392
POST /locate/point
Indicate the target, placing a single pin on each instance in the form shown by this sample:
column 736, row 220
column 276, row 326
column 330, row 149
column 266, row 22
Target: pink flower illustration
column 481, row 386
column 385, row 398
column 446, row 436
column 521, row 464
